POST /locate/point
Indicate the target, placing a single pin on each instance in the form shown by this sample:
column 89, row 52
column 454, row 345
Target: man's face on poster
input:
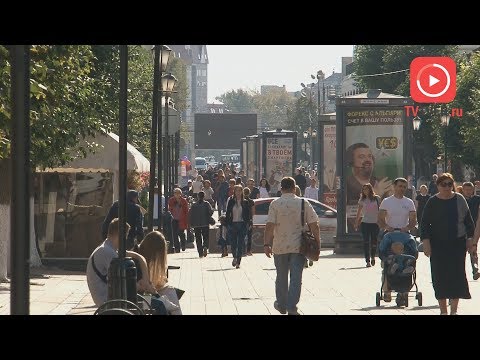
column 363, row 162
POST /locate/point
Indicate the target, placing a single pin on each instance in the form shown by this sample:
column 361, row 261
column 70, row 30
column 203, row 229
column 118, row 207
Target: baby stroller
column 398, row 252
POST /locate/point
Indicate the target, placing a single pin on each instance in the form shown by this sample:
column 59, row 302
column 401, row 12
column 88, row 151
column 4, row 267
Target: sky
column 250, row 66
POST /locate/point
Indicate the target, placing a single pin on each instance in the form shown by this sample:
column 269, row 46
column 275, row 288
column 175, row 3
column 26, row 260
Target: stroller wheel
column 377, row 299
column 405, row 299
column 419, row 299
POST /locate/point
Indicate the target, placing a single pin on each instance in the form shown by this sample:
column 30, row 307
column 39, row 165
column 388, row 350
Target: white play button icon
column 432, row 80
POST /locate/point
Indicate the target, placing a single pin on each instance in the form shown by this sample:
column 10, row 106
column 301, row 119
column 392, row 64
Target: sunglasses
column 446, row 184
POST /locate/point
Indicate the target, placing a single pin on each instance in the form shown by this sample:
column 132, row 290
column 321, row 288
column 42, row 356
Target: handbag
column 309, row 246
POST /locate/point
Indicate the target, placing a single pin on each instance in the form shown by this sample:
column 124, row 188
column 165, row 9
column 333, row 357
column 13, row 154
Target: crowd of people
column 448, row 227
column 448, row 220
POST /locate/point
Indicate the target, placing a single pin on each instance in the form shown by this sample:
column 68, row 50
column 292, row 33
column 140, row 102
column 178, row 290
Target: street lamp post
column 303, row 94
column 167, row 85
column 161, row 54
column 305, row 137
column 445, row 121
column 416, row 126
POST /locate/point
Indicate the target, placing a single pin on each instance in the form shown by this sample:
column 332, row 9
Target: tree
column 272, row 108
column 66, row 104
column 391, row 60
column 466, row 130
column 240, row 100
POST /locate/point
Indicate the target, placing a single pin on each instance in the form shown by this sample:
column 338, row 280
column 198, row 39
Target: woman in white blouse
column 264, row 188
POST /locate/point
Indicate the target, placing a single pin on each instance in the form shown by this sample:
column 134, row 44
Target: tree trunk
column 5, row 199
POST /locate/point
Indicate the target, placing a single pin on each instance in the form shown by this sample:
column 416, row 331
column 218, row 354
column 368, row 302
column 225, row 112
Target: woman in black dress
column 446, row 231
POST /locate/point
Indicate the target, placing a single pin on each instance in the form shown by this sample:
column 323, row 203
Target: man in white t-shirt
column 397, row 213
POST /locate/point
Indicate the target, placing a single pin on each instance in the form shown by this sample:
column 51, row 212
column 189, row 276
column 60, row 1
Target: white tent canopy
column 106, row 158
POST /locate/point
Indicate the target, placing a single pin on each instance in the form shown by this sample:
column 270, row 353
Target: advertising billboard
column 329, row 165
column 374, row 150
column 278, row 160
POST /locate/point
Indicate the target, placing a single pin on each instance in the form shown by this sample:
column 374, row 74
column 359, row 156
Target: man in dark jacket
column 473, row 202
column 432, row 186
column 134, row 219
column 199, row 219
column 300, row 180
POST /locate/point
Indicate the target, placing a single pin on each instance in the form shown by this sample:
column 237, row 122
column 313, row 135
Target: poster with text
column 329, row 165
column 374, row 153
column 279, row 160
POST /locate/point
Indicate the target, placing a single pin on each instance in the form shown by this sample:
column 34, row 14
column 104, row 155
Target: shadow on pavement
column 424, row 307
column 381, row 307
column 341, row 256
column 221, row 269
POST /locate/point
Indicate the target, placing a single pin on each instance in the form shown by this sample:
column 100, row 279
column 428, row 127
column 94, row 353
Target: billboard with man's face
column 374, row 153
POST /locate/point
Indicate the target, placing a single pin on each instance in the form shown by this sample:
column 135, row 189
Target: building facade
column 195, row 58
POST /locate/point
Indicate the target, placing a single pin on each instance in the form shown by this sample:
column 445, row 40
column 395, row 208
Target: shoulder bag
column 309, row 246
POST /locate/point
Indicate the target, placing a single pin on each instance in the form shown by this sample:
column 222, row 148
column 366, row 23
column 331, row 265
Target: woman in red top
column 178, row 206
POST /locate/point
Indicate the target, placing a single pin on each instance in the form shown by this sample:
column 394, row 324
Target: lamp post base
column 349, row 244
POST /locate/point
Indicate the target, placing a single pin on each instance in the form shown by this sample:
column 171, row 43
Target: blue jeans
column 288, row 296
column 237, row 233
column 221, row 206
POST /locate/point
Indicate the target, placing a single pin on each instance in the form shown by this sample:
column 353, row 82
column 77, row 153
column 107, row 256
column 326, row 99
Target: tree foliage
column 66, row 102
column 75, row 94
column 272, row 108
column 380, row 59
column 240, row 100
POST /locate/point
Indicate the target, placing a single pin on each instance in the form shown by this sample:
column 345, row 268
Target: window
column 199, row 58
column 204, row 72
column 199, row 72
column 319, row 209
column 212, row 110
column 262, row 209
column 220, row 111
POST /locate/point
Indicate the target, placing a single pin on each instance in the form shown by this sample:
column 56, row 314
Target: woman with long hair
column 154, row 249
column 447, row 230
column 238, row 218
column 264, row 188
column 368, row 206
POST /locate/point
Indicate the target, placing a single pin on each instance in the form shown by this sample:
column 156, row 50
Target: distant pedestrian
column 282, row 238
column 264, row 188
column 311, row 192
column 420, row 202
column 432, row 186
column 300, row 180
column 199, row 218
column 178, row 207
column 221, row 193
column 238, row 218
column 134, row 219
column 254, row 191
column 368, row 208
column 473, row 202
column 246, row 195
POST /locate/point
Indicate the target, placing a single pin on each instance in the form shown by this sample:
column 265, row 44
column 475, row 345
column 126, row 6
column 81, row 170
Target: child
column 222, row 235
column 398, row 262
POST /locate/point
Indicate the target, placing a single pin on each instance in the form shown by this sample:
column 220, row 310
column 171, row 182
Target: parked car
column 327, row 217
column 200, row 163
